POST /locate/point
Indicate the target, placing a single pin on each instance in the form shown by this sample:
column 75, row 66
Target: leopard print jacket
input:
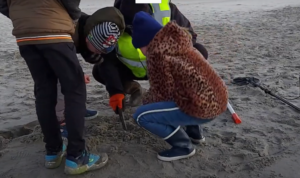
column 178, row 72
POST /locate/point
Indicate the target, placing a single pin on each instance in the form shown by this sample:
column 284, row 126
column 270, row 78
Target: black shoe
column 181, row 147
column 195, row 133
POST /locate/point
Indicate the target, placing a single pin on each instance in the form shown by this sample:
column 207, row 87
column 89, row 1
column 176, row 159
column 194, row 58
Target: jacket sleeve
column 117, row 4
column 182, row 21
column 111, row 74
column 72, row 7
column 90, row 57
column 4, row 8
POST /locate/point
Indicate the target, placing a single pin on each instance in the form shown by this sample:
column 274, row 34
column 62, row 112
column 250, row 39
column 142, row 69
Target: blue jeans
column 164, row 118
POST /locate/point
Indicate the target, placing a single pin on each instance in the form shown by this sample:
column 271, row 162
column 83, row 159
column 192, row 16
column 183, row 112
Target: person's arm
column 90, row 57
column 72, row 7
column 182, row 21
column 111, row 74
column 4, row 8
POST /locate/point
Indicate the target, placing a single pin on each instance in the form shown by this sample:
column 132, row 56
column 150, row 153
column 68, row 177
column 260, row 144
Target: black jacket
column 129, row 8
column 4, row 8
column 72, row 7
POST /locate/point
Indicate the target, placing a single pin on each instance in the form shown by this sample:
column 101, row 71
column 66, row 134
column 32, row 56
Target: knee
column 201, row 49
column 139, row 116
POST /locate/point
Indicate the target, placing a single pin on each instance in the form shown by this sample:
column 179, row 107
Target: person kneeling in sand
column 184, row 89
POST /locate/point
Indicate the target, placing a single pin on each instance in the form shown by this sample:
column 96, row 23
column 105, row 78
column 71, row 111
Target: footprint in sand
column 19, row 154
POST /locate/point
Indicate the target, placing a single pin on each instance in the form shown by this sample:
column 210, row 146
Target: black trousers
column 49, row 63
column 125, row 73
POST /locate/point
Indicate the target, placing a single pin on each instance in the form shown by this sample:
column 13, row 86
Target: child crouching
column 184, row 89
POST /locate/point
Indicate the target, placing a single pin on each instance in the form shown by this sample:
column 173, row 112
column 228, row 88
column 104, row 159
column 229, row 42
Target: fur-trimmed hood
column 178, row 72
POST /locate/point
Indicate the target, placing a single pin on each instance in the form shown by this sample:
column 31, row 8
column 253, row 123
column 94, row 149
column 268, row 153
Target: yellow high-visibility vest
column 130, row 56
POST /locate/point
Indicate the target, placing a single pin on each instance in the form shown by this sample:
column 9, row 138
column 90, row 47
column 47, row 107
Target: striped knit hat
column 104, row 36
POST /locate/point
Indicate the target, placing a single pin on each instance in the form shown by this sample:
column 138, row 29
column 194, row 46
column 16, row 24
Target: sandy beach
column 244, row 38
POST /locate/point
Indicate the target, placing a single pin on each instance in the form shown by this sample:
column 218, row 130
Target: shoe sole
column 167, row 159
column 91, row 117
column 197, row 141
column 85, row 168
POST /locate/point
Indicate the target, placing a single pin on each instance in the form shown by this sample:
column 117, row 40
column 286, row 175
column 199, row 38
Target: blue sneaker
column 90, row 114
column 85, row 162
column 53, row 159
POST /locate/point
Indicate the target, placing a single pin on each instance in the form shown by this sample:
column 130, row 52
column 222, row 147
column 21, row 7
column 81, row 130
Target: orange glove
column 116, row 101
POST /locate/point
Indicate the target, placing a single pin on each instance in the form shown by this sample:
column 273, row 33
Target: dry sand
column 244, row 38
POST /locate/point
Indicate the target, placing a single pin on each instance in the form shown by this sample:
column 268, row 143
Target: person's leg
column 60, row 112
column 165, row 119
column 131, row 87
column 135, row 90
column 201, row 49
column 195, row 132
column 45, row 90
column 63, row 60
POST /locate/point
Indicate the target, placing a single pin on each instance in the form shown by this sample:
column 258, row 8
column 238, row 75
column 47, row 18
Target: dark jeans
column 49, row 63
column 125, row 73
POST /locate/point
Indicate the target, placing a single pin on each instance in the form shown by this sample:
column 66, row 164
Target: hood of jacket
column 171, row 35
column 178, row 72
column 87, row 22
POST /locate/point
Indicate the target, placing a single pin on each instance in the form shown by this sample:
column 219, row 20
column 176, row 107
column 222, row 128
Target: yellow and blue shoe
column 54, row 159
column 84, row 163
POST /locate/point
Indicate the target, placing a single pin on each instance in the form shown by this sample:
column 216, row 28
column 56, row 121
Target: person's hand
column 116, row 102
column 86, row 79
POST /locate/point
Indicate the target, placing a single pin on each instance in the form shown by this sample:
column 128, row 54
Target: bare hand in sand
column 87, row 78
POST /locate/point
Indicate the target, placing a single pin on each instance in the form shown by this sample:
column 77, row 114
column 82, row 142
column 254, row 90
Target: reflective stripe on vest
column 140, row 64
column 162, row 12
column 133, row 58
